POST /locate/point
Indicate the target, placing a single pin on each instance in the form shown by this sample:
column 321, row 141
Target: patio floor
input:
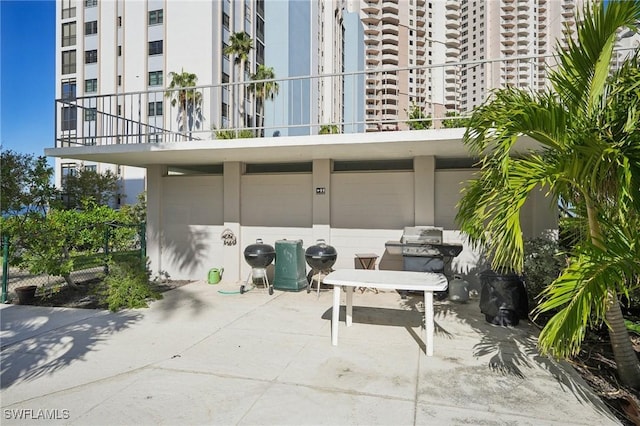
column 203, row 357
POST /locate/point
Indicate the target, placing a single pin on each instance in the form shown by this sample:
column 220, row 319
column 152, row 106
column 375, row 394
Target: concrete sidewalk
column 202, row 357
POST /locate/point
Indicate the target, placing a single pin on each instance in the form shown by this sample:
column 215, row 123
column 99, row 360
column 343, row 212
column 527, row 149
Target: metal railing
column 384, row 98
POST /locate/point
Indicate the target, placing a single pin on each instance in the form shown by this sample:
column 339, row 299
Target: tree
column 419, row 120
column 240, row 45
column 88, row 185
column 183, row 93
column 264, row 90
column 25, row 183
column 454, row 120
column 587, row 127
column 329, row 129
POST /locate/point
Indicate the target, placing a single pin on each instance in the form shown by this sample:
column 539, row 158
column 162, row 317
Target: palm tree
column 186, row 96
column 587, row 127
column 264, row 89
column 240, row 44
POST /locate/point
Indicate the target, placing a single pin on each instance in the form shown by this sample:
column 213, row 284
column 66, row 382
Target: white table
column 428, row 282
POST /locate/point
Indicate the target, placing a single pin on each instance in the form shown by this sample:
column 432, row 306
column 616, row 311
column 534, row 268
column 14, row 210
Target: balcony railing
column 212, row 112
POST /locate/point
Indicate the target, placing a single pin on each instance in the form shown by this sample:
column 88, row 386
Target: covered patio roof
column 445, row 143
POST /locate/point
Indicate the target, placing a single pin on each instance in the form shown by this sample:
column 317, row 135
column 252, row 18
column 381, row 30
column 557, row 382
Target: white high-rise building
column 517, row 32
column 106, row 49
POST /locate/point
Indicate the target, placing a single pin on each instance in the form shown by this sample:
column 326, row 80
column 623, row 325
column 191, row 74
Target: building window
column 155, row 108
column 155, row 47
column 225, row 77
column 68, row 62
column 119, row 80
column 119, row 50
column 69, row 118
column 68, row 9
column 155, row 78
column 90, row 114
column 69, row 90
column 119, row 21
column 156, row 17
column 67, row 169
column 91, row 85
column 91, row 28
column 90, row 3
column 225, row 110
column 225, row 20
column 90, row 56
column 69, row 34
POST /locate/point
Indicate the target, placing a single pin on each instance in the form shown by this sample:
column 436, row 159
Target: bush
column 128, row 286
column 543, row 262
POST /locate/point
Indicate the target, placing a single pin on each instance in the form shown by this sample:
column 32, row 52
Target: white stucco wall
column 192, row 221
column 359, row 212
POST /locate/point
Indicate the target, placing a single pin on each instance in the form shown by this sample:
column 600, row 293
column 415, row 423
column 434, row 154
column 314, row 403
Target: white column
column 424, row 190
column 154, row 217
column 232, row 254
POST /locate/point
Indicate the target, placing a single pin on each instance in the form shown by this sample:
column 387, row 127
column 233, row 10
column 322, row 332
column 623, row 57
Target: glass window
column 225, row 77
column 156, row 17
column 69, row 90
column 89, row 114
column 91, row 28
column 155, row 108
column 225, row 20
column 68, row 62
column 91, row 85
column 67, row 169
column 69, row 34
column 90, row 3
column 68, row 9
column 90, row 56
column 155, row 47
column 155, row 78
column 69, row 118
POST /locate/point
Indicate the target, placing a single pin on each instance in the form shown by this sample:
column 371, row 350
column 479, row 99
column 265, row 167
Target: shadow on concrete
column 38, row 341
column 513, row 350
column 180, row 300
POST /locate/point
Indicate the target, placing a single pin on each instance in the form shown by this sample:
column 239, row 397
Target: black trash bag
column 503, row 298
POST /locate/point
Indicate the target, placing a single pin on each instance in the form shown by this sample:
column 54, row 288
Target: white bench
column 428, row 282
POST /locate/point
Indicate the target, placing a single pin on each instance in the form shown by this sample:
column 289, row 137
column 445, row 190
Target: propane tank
column 458, row 289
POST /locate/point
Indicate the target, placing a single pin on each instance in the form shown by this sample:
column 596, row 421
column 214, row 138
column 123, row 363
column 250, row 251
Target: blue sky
column 27, row 75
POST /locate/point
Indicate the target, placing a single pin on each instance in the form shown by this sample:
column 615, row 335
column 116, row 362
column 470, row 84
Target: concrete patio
column 203, row 357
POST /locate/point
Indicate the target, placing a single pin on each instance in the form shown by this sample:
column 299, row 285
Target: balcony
column 390, row 18
column 389, row 59
column 372, row 29
column 389, row 29
column 508, row 41
column 420, row 22
column 370, row 7
column 452, row 23
column 507, row 23
column 452, row 52
column 452, row 42
column 389, row 38
column 452, row 14
column 370, row 18
column 452, row 33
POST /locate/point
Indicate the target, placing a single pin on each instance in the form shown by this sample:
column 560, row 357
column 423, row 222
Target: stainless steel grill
column 422, row 250
column 423, row 241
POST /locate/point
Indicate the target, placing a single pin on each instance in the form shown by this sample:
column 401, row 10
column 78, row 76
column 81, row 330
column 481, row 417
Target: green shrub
column 543, row 262
column 128, row 286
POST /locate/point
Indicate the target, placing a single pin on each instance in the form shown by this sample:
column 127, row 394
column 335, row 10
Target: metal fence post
column 5, row 266
column 106, row 249
column 143, row 243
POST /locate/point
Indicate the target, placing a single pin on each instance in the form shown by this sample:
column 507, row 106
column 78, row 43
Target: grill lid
column 422, row 235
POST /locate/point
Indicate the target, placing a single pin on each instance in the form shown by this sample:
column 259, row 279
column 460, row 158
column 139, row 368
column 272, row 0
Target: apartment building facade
column 522, row 33
column 116, row 58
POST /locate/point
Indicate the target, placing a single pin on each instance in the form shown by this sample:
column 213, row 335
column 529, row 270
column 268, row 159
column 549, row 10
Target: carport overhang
column 443, row 143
